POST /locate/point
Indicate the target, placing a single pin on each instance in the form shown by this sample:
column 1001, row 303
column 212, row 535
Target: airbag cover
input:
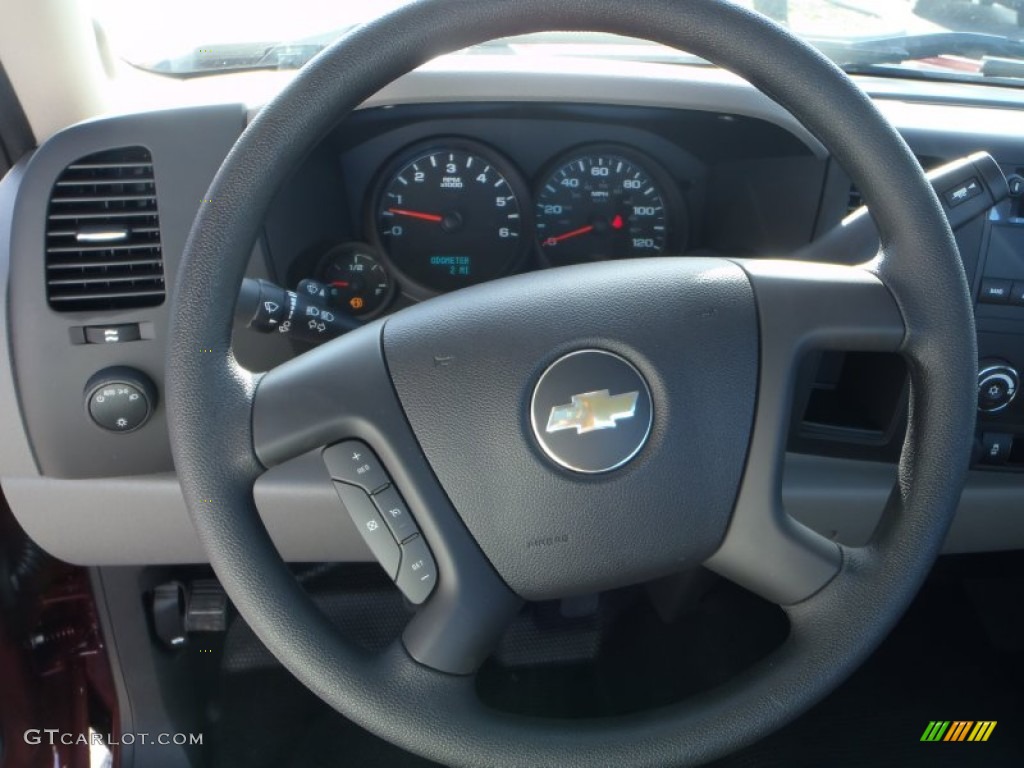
column 465, row 367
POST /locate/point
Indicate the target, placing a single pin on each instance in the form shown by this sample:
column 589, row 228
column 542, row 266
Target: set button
column 417, row 574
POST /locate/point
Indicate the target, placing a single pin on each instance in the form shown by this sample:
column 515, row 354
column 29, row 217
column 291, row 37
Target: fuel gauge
column 357, row 280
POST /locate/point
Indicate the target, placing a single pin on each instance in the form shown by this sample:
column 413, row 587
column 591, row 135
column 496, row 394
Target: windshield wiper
column 996, row 56
column 860, row 55
column 244, row 57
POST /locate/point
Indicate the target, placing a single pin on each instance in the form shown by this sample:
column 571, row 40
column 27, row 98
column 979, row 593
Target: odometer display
column 600, row 205
column 450, row 217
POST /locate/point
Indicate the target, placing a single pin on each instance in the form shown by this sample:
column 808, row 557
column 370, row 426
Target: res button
column 353, row 462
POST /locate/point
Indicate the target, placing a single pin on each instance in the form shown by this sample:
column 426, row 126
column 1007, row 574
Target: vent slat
column 83, row 265
column 109, row 166
column 104, row 182
column 101, row 248
column 112, row 216
column 854, row 200
column 103, row 198
column 109, row 195
column 110, row 295
column 74, row 232
column 110, row 279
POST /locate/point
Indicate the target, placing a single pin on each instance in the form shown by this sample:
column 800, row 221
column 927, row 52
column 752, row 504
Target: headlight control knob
column 998, row 382
column 120, row 399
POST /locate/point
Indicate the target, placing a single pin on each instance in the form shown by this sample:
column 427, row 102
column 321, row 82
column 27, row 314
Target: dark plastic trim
column 155, row 690
column 342, row 390
column 800, row 307
column 16, row 137
column 855, row 239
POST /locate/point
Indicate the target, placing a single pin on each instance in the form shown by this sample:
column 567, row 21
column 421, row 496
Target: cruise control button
column 418, row 573
column 353, row 462
column 372, row 528
column 994, row 291
column 395, row 513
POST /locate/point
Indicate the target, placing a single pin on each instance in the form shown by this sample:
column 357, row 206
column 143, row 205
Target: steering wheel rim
column 210, row 399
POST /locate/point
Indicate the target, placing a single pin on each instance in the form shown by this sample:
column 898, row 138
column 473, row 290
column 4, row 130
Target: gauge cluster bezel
column 417, row 289
column 720, row 174
column 525, row 189
column 677, row 220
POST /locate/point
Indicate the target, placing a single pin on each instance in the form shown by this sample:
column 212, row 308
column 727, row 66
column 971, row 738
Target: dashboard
column 459, row 173
column 408, row 202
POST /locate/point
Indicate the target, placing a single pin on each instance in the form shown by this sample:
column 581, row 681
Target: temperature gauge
column 356, row 279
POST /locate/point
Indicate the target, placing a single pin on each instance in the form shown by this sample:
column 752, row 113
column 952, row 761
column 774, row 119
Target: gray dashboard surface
column 94, row 514
column 143, row 520
column 187, row 147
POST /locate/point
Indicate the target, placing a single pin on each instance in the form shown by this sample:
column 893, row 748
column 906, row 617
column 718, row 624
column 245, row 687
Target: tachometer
column 450, row 216
column 601, row 204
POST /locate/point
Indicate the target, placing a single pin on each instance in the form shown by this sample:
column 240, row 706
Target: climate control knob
column 998, row 382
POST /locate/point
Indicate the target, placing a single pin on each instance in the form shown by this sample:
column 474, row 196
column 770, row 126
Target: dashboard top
column 731, row 173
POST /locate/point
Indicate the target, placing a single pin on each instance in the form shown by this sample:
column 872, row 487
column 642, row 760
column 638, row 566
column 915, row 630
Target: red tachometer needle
column 567, row 235
column 340, row 283
column 417, row 215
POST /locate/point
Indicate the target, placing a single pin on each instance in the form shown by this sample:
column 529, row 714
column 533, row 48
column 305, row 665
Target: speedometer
column 601, row 204
column 448, row 215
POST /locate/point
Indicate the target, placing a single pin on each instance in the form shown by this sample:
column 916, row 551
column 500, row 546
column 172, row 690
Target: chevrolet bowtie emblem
column 592, row 411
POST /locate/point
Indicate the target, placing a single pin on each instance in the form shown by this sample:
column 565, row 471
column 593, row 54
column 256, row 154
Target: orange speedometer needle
column 567, row 235
column 417, row 215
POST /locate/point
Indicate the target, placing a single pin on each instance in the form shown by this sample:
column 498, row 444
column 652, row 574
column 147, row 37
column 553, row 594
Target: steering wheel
column 446, row 395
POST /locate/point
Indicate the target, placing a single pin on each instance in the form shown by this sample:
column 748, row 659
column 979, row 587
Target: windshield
column 939, row 39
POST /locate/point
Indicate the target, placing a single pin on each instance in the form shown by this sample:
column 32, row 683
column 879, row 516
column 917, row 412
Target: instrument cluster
column 451, row 212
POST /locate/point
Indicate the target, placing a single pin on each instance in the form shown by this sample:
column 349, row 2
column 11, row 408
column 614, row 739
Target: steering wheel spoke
column 341, row 391
column 801, row 307
column 334, row 392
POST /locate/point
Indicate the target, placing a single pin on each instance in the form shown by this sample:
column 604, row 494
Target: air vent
column 103, row 234
column 854, row 201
